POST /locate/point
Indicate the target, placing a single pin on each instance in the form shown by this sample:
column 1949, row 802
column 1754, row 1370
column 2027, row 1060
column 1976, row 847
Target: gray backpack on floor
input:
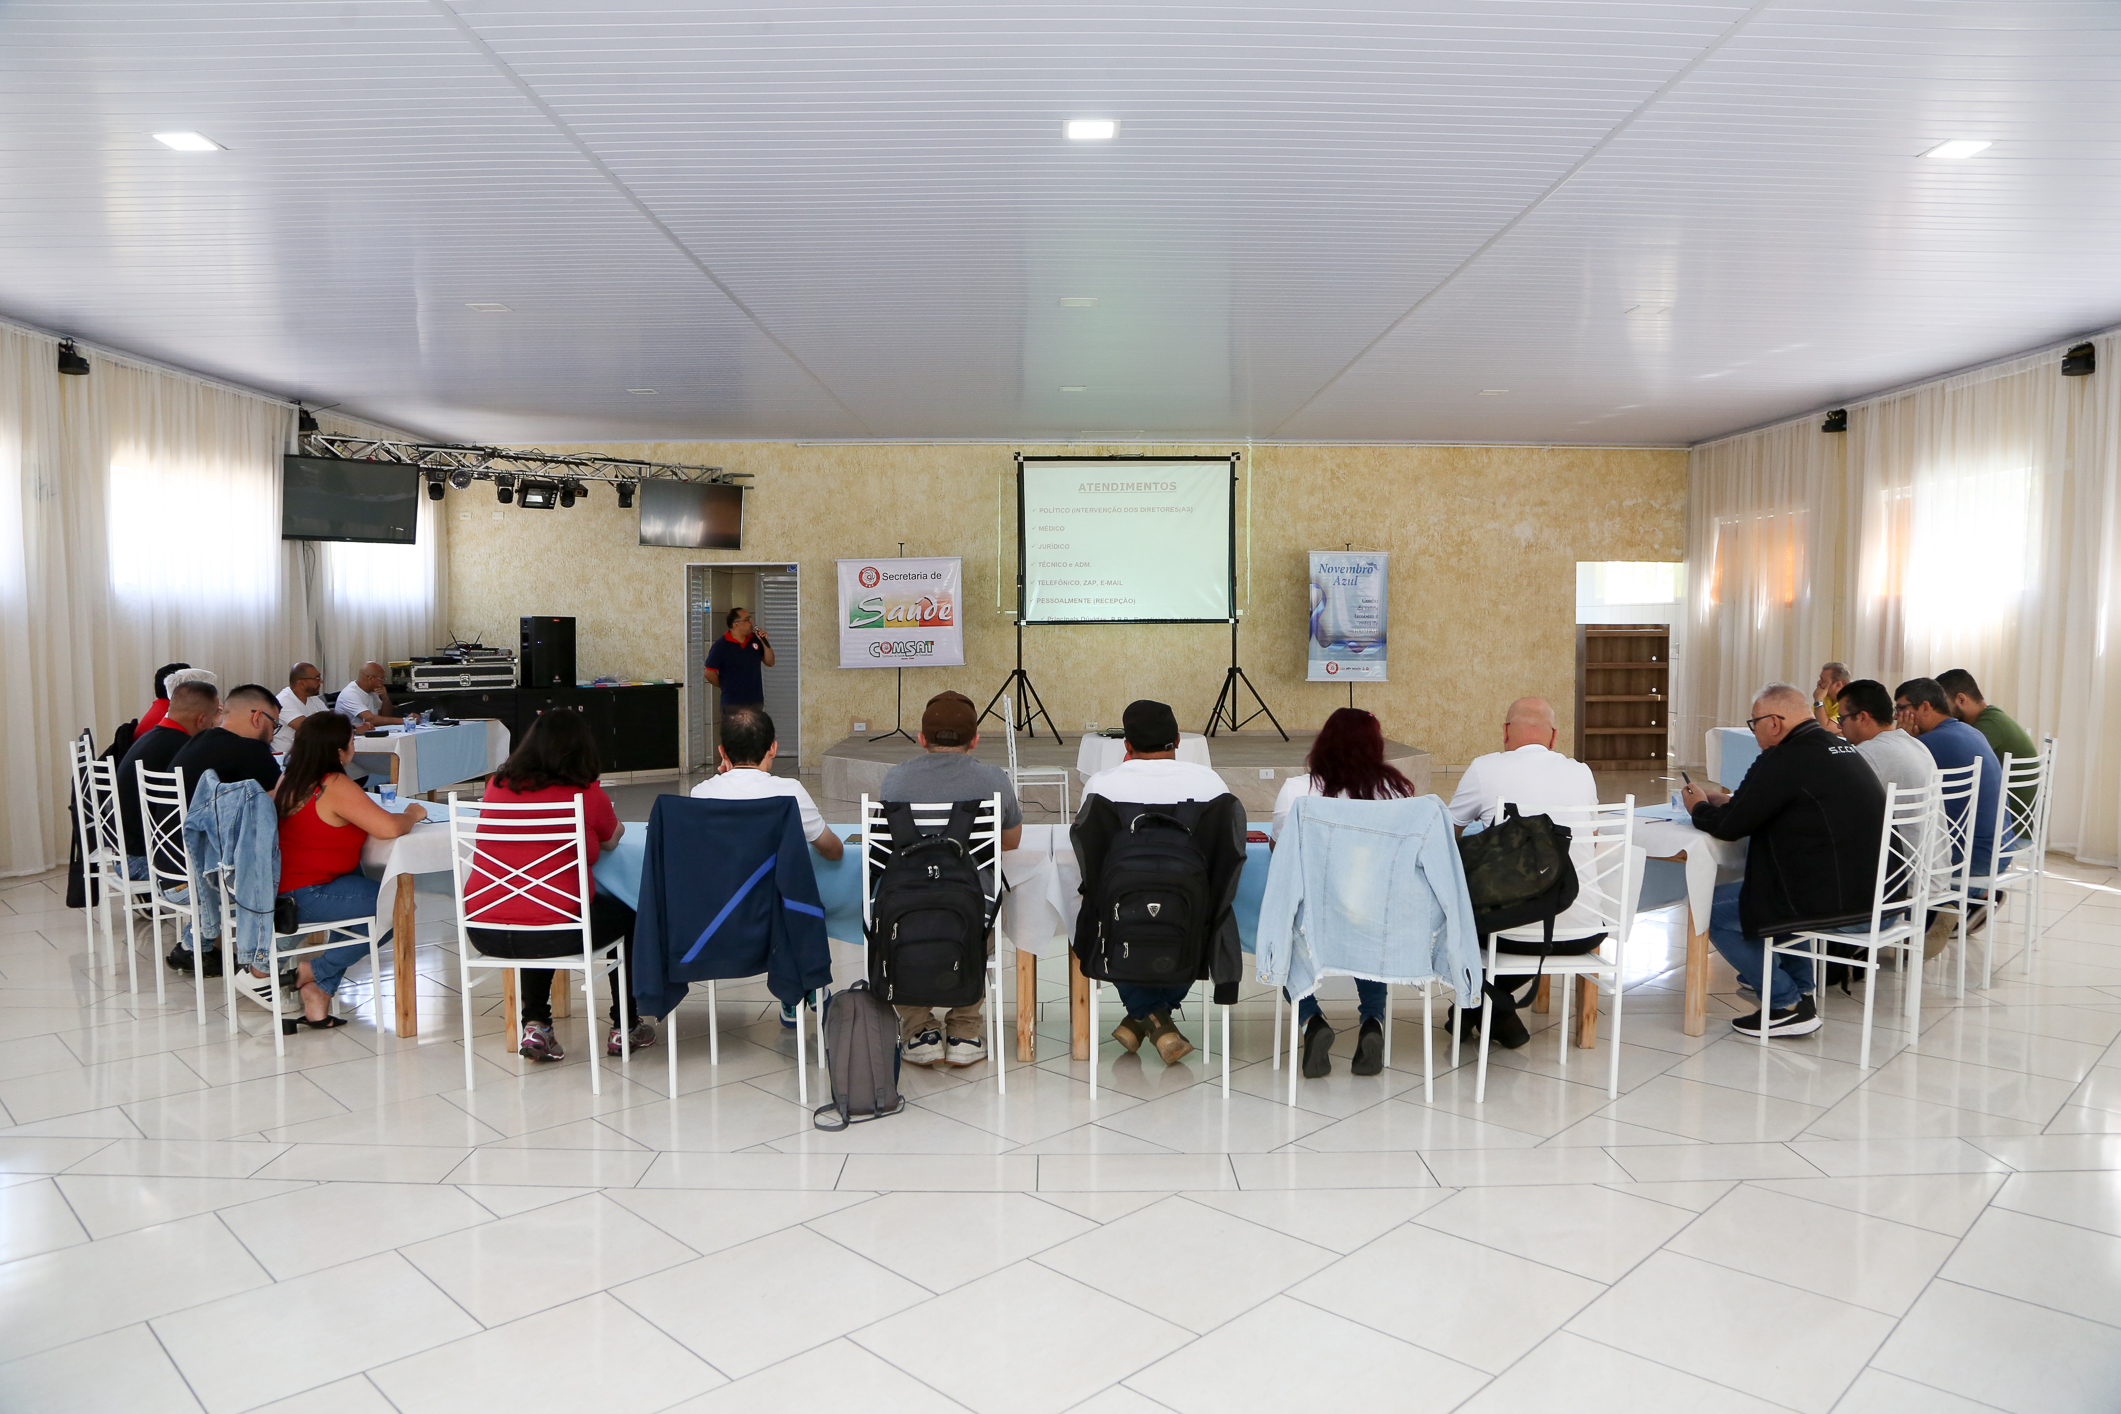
column 862, row 1054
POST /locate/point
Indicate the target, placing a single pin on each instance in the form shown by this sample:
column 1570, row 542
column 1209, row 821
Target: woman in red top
column 555, row 762
column 324, row 820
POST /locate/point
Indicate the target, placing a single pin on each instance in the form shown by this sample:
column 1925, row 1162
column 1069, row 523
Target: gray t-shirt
column 1899, row 760
column 937, row 776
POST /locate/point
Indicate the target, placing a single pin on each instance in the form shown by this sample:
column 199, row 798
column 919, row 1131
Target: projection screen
column 1126, row 540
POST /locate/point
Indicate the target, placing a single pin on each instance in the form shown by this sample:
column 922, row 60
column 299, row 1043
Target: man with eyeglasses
column 1810, row 811
column 302, row 697
column 239, row 748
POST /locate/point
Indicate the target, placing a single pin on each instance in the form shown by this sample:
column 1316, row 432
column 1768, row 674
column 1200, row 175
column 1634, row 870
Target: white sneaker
column 259, row 989
column 967, row 1050
column 924, row 1049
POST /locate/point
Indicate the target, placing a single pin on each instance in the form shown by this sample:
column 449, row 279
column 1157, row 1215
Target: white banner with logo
column 901, row 613
column 1348, row 610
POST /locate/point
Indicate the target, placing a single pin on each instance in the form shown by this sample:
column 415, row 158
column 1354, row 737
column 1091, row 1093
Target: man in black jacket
column 1811, row 812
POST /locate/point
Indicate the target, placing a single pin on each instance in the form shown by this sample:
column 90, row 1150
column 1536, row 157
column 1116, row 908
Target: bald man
column 1528, row 770
column 302, row 697
column 366, row 701
column 1811, row 812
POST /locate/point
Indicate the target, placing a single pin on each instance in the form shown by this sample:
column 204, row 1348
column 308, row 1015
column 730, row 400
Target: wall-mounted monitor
column 330, row 498
column 692, row 515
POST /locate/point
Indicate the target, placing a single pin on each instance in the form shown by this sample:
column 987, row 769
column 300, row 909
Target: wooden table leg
column 403, row 974
column 1586, row 1013
column 511, row 1012
column 1544, row 1001
column 1026, row 1006
column 1078, row 1009
column 1696, row 1019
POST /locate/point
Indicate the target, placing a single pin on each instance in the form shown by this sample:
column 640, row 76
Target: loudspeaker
column 548, row 651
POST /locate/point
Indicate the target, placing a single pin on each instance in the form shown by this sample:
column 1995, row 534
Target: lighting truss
column 484, row 463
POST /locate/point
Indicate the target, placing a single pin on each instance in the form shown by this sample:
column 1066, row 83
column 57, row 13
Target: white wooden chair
column 1899, row 910
column 1608, row 882
column 986, row 857
column 126, row 898
column 99, row 877
column 556, row 879
column 163, row 808
column 1428, row 1041
column 2017, row 854
column 1952, row 861
column 1035, row 776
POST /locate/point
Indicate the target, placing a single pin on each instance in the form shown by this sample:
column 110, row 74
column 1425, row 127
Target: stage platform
column 1252, row 763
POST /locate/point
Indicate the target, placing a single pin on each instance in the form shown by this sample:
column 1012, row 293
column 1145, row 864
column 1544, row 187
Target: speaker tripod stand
column 1229, row 699
column 1027, row 704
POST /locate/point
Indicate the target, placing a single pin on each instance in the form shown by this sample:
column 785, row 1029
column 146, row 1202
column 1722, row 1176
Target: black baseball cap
column 1150, row 726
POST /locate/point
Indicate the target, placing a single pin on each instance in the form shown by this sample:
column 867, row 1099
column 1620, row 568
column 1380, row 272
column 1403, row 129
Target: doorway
column 771, row 592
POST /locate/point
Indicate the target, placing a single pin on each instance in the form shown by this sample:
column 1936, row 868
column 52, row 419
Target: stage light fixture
column 70, row 360
column 305, row 420
column 2081, row 361
column 461, row 479
column 1836, row 421
column 504, row 489
column 538, row 495
column 625, row 490
column 567, row 490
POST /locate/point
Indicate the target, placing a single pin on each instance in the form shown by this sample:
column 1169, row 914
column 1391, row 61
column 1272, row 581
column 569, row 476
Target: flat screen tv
column 692, row 515
column 326, row 498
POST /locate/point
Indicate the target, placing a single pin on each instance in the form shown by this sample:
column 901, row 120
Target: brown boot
column 1131, row 1032
column 1169, row 1044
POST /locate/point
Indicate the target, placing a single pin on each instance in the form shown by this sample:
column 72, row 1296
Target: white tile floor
column 187, row 1223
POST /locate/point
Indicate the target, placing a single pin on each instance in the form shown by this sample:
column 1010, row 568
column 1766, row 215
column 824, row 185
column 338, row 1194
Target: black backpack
column 930, row 918
column 862, row 1056
column 1151, row 904
column 1518, row 872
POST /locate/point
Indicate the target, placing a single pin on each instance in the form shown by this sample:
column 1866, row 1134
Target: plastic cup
column 388, row 795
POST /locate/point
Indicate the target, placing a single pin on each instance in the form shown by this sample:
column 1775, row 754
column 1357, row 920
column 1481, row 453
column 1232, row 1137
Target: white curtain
column 1978, row 528
column 139, row 524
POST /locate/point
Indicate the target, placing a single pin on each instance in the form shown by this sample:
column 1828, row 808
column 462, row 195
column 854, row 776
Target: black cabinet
column 636, row 728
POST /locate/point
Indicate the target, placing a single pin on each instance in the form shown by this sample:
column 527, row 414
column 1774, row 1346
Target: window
column 187, row 534
column 1969, row 555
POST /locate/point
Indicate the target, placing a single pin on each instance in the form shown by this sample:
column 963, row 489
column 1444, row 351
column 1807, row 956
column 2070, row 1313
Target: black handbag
column 1518, row 872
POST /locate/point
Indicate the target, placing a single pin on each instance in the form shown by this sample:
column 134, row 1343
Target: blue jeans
column 1369, row 1002
column 348, row 896
column 1793, row 975
column 1147, row 1001
column 136, row 870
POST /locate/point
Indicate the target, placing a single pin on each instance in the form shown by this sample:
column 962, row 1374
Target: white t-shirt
column 750, row 783
column 353, row 700
column 292, row 711
column 1536, row 779
column 1156, row 783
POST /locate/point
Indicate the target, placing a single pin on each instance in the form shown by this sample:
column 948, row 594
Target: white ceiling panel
column 859, row 220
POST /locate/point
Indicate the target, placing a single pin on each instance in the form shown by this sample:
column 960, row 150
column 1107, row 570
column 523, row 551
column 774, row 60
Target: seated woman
column 324, row 820
column 555, row 762
column 1346, row 760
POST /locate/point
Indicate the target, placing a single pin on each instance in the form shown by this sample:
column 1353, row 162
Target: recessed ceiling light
column 1958, row 148
column 1090, row 129
column 1075, row 387
column 642, row 392
column 487, row 306
column 1078, row 301
column 1493, row 392
column 189, row 142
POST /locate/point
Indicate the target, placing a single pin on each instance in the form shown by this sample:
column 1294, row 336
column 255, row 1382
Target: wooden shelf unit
column 1623, row 695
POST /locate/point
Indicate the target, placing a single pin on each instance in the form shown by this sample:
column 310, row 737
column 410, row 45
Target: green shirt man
column 2004, row 736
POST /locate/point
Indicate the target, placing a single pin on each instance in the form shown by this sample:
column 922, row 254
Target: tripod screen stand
column 1028, row 708
column 1229, row 699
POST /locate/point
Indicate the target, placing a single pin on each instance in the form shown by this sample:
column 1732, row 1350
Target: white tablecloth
column 1708, row 859
column 1100, row 753
column 424, row 851
column 405, row 745
column 1038, row 913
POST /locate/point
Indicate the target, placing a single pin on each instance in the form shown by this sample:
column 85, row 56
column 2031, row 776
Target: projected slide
column 1126, row 541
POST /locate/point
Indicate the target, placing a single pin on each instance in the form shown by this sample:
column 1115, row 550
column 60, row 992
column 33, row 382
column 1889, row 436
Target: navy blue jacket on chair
column 727, row 891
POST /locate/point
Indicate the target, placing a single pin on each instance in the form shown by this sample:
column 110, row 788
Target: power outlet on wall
column 1266, row 773
column 857, row 728
column 1090, row 726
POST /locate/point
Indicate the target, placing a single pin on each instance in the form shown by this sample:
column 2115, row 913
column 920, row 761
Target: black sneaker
column 180, row 959
column 1369, row 1049
column 1799, row 1020
column 1318, row 1048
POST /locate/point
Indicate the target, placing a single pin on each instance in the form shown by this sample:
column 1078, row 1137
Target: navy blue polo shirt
column 742, row 667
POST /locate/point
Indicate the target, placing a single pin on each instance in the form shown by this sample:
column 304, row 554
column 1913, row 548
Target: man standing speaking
column 737, row 662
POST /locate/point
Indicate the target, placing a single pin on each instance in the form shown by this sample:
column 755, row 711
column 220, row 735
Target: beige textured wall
column 1484, row 542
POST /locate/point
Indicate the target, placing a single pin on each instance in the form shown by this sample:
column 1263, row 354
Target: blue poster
column 1348, row 610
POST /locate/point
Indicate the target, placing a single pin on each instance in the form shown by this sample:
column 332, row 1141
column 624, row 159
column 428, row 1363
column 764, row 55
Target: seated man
column 366, row 700
column 1826, row 695
column 948, row 772
column 1868, row 720
column 302, row 697
column 193, row 707
column 1152, row 774
column 2004, row 736
column 1530, row 773
column 1925, row 711
column 1810, row 811
column 744, row 771
column 240, row 749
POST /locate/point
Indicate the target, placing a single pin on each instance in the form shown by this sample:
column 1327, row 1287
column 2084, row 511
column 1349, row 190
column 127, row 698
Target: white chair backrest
column 2018, row 820
column 1906, row 850
column 1951, row 861
column 103, row 809
column 1608, row 871
column 986, row 841
column 81, row 758
column 162, row 810
column 507, row 852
